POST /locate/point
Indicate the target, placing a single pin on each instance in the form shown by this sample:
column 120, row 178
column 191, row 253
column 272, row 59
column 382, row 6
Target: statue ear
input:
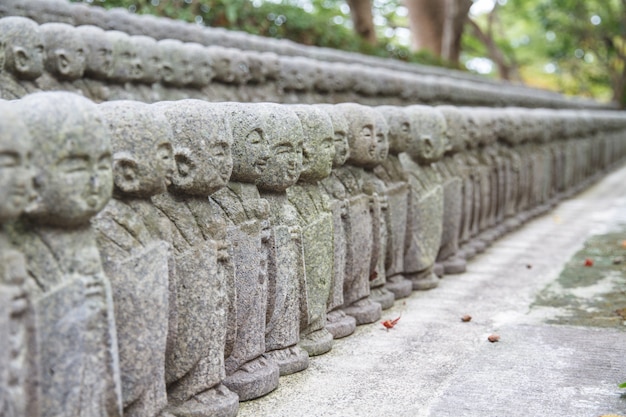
column 62, row 62
column 20, row 59
column 125, row 176
column 183, row 173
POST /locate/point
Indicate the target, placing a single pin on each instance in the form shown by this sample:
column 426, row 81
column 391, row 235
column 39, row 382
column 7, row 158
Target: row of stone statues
column 176, row 258
column 112, row 65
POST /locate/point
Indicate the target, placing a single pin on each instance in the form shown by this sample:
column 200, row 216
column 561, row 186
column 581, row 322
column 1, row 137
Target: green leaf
column 622, row 385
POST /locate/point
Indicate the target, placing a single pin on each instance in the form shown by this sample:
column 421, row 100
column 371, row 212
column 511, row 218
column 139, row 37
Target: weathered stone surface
column 359, row 227
column 98, row 63
column 134, row 259
column 425, row 222
column 17, row 73
column 392, row 173
column 78, row 346
column 64, row 57
column 286, row 273
column 337, row 322
column 203, row 284
column 248, row 373
column 315, row 219
column 19, row 376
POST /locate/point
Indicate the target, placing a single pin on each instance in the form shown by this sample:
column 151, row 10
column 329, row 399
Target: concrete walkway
column 433, row 364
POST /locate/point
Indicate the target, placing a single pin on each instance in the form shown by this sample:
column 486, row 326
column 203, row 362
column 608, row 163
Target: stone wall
column 170, row 247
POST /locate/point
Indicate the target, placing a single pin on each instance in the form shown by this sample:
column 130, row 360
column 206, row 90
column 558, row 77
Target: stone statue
column 286, row 274
column 176, row 70
column 201, row 306
column 396, row 182
column 316, row 222
column 449, row 170
column 338, row 323
column 21, row 57
column 19, row 377
column 134, row 259
column 296, row 79
column 72, row 295
column 248, row 373
column 64, row 61
column 144, row 84
column 375, row 187
column 125, row 66
column 230, row 72
column 98, row 63
column 264, row 68
column 50, row 11
column 425, row 213
column 359, row 224
column 202, row 66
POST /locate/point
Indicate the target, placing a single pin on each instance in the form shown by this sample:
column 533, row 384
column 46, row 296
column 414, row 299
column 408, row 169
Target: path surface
column 434, row 365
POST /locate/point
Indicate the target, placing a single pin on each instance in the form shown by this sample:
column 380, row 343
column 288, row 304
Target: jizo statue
column 64, row 61
column 134, row 259
column 72, row 296
column 21, row 56
column 202, row 288
column 19, row 376
column 247, row 215
column 286, row 273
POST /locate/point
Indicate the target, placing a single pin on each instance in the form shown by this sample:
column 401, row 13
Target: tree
column 361, row 14
column 437, row 25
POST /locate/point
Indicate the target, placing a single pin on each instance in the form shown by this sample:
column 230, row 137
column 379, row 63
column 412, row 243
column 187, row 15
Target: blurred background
column 576, row 47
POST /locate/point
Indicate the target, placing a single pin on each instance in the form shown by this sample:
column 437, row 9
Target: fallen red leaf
column 588, row 262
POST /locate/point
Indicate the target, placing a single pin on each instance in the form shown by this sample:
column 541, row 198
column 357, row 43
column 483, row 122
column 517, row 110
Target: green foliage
column 622, row 385
column 322, row 23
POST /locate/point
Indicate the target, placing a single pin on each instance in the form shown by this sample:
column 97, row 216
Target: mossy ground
column 590, row 295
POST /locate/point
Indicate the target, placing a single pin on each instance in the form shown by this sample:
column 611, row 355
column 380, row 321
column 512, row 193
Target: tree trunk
column 361, row 14
column 437, row 26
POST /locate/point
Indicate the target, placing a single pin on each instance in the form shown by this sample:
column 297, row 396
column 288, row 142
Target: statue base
column 339, row 324
column 454, row 265
column 254, row 379
column 290, row 360
column 424, row 280
column 365, row 311
column 382, row 296
column 317, row 343
column 218, row 401
column 438, row 269
column 399, row 286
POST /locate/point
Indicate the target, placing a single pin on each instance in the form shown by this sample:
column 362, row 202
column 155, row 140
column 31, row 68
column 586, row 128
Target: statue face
column 176, row 66
column 75, row 179
column 364, row 150
column 149, row 57
column 318, row 148
column 382, row 132
column 24, row 47
column 251, row 150
column 99, row 59
column 15, row 172
column 222, row 66
column 125, row 63
column 201, row 65
column 239, row 68
column 427, row 141
column 65, row 51
column 340, row 141
column 399, row 128
column 456, row 133
column 284, row 133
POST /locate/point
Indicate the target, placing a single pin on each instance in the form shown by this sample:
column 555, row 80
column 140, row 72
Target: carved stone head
column 271, row 64
column 21, row 47
column 239, row 67
column 285, row 137
column 125, row 63
column 15, row 172
column 381, row 131
column 71, row 156
column 58, row 11
column 176, row 68
column 84, row 14
column 399, row 128
column 223, row 63
column 99, row 58
column 201, row 64
column 340, row 134
column 297, row 73
column 456, row 133
column 149, row 55
column 361, row 134
column 318, row 149
column 143, row 160
column 334, row 77
column 65, row 51
column 428, row 130
column 202, row 146
column 250, row 148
